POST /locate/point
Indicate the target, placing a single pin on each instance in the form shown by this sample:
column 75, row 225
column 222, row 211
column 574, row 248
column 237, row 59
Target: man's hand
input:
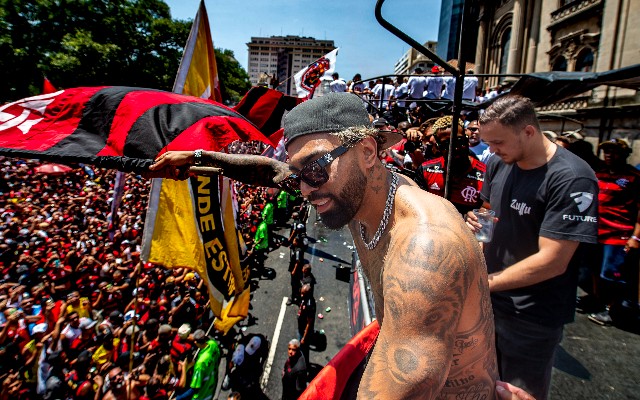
column 507, row 391
column 414, row 134
column 169, row 163
column 631, row 244
column 472, row 222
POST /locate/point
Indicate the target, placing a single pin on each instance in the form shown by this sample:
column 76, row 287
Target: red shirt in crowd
column 618, row 204
column 464, row 191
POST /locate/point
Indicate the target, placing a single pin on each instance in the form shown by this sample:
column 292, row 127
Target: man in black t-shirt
column 545, row 199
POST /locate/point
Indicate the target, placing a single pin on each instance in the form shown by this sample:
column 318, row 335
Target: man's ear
column 369, row 151
column 529, row 130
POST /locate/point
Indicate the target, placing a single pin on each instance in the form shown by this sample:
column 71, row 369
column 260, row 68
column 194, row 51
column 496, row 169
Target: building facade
column 448, row 30
column 283, row 57
column 413, row 59
column 526, row 36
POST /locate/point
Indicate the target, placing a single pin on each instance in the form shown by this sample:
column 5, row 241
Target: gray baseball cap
column 333, row 112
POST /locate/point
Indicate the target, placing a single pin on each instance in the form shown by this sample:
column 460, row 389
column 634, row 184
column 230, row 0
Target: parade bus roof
column 544, row 88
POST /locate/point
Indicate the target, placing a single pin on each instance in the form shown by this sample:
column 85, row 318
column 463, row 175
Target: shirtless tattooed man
column 426, row 269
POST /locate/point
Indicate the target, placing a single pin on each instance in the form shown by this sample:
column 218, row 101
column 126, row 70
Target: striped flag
column 340, row 378
column 266, row 107
column 192, row 223
column 117, row 127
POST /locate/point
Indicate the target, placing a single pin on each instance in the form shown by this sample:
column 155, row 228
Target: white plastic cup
column 486, row 219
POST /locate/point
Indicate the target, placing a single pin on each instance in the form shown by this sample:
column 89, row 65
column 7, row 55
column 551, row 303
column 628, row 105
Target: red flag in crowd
column 340, row 378
column 47, row 87
column 117, row 127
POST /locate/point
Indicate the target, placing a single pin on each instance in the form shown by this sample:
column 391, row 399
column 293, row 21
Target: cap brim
column 390, row 138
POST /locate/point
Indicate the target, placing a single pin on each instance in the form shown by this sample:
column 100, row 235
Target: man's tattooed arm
column 425, row 285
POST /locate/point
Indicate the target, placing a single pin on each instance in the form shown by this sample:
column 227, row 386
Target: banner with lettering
column 191, row 223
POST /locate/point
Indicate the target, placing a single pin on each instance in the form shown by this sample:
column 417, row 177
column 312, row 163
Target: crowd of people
column 82, row 317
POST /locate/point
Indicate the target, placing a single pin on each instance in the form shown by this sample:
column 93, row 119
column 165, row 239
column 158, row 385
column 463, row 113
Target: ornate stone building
column 525, row 36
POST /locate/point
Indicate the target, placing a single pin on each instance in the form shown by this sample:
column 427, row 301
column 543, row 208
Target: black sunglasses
column 314, row 174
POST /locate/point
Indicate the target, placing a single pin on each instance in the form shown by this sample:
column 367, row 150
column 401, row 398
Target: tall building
column 413, row 59
column 283, row 56
column 518, row 36
column 450, row 16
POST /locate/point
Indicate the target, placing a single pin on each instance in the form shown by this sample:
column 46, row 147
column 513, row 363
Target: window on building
column 560, row 64
column 505, row 43
column 584, row 61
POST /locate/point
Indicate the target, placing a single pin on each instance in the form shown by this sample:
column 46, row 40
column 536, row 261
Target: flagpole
column 133, row 327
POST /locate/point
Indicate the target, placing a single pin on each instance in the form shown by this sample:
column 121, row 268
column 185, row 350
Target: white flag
column 309, row 78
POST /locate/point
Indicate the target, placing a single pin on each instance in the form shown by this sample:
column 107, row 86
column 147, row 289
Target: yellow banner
column 191, row 223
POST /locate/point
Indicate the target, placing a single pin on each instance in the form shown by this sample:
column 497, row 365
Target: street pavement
column 593, row 362
column 328, row 250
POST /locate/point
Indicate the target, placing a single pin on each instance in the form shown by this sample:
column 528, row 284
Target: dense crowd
column 80, row 316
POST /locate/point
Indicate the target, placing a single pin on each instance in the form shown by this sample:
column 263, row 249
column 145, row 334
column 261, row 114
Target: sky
column 365, row 46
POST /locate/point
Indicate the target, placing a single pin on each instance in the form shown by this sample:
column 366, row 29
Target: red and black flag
column 265, row 107
column 115, row 127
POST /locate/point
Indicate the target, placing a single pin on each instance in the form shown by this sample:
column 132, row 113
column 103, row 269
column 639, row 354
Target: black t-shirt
column 295, row 254
column 558, row 201
column 307, row 314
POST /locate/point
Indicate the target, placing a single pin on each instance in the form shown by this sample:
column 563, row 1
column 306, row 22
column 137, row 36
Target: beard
column 347, row 203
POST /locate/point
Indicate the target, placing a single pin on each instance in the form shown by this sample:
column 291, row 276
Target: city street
column 594, row 362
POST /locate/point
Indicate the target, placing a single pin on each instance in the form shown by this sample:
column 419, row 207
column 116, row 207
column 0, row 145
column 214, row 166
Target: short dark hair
column 512, row 111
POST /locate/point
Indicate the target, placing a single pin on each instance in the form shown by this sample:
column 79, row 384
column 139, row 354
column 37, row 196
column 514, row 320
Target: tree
column 234, row 81
column 95, row 43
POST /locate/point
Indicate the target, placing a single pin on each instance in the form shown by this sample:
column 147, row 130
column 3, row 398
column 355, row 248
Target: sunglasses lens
column 314, row 175
column 291, row 183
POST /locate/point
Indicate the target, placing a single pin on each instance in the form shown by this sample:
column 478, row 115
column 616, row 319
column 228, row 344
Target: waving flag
column 265, row 108
column 198, row 73
column 340, row 378
column 192, row 223
column 117, row 127
column 309, row 78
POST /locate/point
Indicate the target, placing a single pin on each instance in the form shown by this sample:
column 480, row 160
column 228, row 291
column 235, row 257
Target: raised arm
column 246, row 168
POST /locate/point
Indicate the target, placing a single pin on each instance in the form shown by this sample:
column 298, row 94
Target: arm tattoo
column 423, row 298
column 250, row 169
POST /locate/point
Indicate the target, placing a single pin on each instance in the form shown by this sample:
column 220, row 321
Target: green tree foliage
column 234, row 79
column 97, row 42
